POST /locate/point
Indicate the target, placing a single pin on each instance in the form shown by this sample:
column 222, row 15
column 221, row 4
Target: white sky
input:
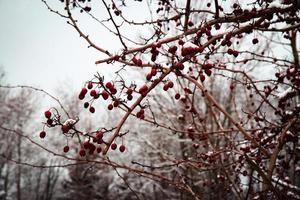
column 39, row 48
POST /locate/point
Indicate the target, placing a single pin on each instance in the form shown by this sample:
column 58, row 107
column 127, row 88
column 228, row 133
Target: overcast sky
column 39, row 48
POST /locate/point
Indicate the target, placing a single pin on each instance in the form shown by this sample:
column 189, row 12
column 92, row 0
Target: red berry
column 190, row 23
column 92, row 109
column 87, row 8
column 110, row 106
column 230, row 51
column 47, row 114
column 122, row 148
column 142, row 111
column 83, row 91
column 86, row 145
column 86, row 105
column 99, row 135
column 66, row 149
column 184, row 51
column 180, row 42
column 177, row 96
column 179, row 66
column 65, row 128
column 255, row 41
column 143, row 89
column 166, row 87
column 90, row 85
column 82, row 152
column 172, row 49
column 92, row 148
column 134, row 60
column 109, row 85
column 153, row 71
column 114, row 146
column 149, row 76
column 129, row 97
column 202, row 78
column 142, row 116
column 81, row 96
column 99, row 150
column 170, row 84
column 42, row 134
column 207, row 72
column 49, row 121
column 235, row 53
column 113, row 90
column 104, row 95
column 129, row 91
column 116, row 103
column 93, row 93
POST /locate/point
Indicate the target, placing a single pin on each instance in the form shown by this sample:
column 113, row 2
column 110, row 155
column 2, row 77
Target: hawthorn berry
column 172, row 49
column 136, row 61
column 129, row 91
column 113, row 90
column 81, row 96
column 66, row 149
column 143, row 89
column 92, row 148
column 122, row 148
column 90, row 85
column 148, row 77
column 92, row 109
column 86, row 105
column 99, row 135
column 99, row 149
column 166, row 87
column 83, row 91
column 129, row 97
column 42, row 134
column 49, row 121
column 255, row 41
column 86, row 145
column 110, row 106
column 116, row 103
column 142, row 111
column 105, row 95
column 93, row 93
column 207, row 72
column 170, row 84
column 177, row 96
column 82, row 152
column 65, row 128
column 47, row 114
column 235, row 53
column 180, row 42
column 114, row 146
column 87, row 8
column 109, row 85
column 202, row 77
column 230, row 51
column 153, row 71
column 179, row 66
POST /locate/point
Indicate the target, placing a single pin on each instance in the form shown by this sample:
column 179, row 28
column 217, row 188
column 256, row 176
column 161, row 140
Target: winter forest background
column 149, row 99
